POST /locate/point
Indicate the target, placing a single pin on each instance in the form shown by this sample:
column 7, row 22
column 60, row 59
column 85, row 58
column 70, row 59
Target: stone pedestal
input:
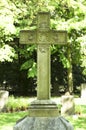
column 3, row 98
column 83, row 90
column 43, row 108
column 43, row 123
column 43, row 115
column 68, row 105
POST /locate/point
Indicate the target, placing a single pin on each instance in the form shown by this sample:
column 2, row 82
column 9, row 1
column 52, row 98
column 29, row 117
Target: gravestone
column 68, row 105
column 3, row 99
column 83, row 90
column 43, row 112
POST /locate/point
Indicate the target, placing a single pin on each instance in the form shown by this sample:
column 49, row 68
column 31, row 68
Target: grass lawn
column 8, row 120
column 78, row 123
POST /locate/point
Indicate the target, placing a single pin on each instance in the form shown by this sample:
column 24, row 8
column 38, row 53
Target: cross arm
column 43, row 37
column 28, row 36
column 58, row 37
column 52, row 37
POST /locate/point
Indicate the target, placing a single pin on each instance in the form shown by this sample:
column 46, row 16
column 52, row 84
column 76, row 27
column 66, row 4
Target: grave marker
column 3, row 99
column 83, row 90
column 43, row 36
column 43, row 113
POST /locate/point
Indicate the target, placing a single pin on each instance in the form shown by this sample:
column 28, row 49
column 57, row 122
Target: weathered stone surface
column 43, row 123
column 83, row 90
column 43, row 108
column 3, row 98
column 43, row 73
column 68, row 105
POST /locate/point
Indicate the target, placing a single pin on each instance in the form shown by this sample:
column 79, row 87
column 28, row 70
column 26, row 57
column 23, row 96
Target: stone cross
column 43, row 113
column 43, row 36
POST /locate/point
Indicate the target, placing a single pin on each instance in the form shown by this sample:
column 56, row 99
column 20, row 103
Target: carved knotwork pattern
column 43, row 37
column 32, row 36
column 43, row 48
column 43, row 25
column 59, row 37
column 43, row 21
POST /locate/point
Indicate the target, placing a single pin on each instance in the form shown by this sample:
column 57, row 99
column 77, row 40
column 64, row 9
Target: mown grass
column 78, row 122
column 8, row 120
column 79, row 119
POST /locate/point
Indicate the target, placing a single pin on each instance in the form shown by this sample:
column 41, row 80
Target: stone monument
column 43, row 113
column 83, row 90
column 68, row 105
column 3, row 99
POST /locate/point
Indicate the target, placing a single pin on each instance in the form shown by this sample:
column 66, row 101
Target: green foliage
column 7, row 30
column 15, row 103
column 27, row 65
column 68, row 15
column 7, row 53
column 30, row 63
column 64, row 60
column 31, row 67
column 32, row 72
column 82, row 40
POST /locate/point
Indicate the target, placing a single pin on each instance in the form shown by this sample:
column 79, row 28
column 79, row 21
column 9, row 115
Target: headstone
column 3, row 99
column 43, row 112
column 68, row 105
column 83, row 90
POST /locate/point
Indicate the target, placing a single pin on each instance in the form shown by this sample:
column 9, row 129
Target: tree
column 68, row 14
column 7, row 29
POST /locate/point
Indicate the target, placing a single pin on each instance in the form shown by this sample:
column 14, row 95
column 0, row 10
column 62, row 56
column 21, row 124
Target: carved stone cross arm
column 43, row 37
column 43, row 34
column 28, row 37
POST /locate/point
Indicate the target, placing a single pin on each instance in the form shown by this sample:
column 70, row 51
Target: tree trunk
column 70, row 76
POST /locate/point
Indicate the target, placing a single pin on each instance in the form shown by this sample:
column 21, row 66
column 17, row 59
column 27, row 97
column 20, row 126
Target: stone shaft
column 43, row 61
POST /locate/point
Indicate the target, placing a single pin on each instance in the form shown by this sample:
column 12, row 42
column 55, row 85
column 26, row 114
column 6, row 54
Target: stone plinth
column 43, row 108
column 83, row 90
column 68, row 105
column 43, row 123
column 3, row 98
